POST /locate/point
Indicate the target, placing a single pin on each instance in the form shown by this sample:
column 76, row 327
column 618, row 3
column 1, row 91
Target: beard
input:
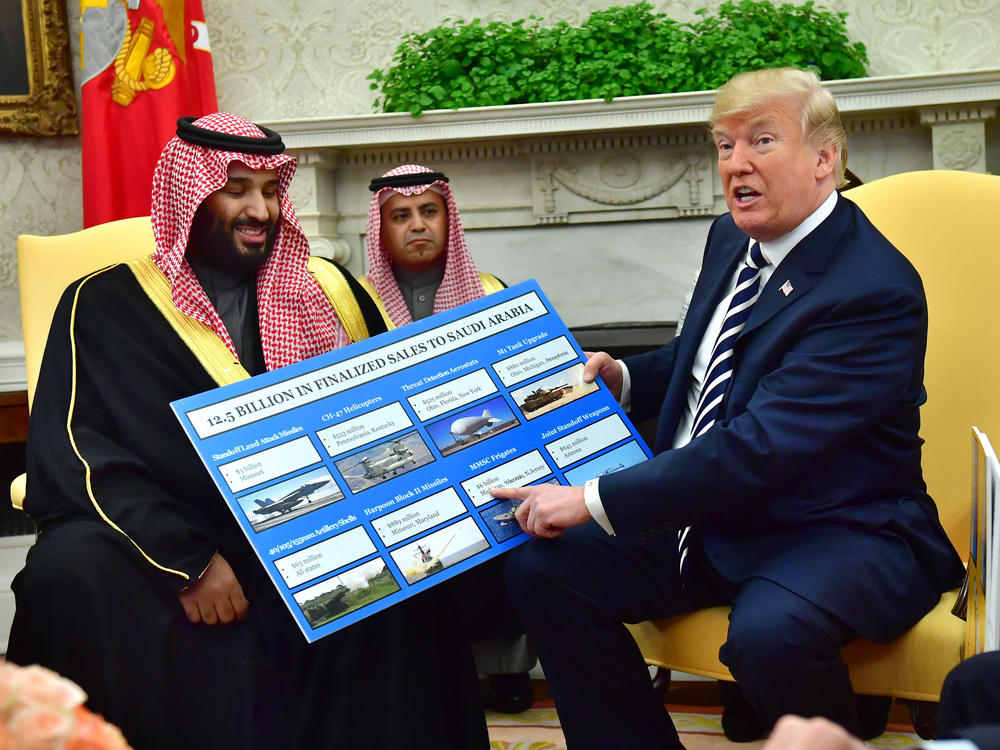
column 214, row 243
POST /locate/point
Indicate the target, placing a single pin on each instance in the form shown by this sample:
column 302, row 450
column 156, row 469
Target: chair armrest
column 17, row 491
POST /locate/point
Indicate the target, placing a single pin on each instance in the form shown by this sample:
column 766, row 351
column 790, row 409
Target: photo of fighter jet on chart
column 552, row 391
column 472, row 425
column 290, row 499
column 384, row 461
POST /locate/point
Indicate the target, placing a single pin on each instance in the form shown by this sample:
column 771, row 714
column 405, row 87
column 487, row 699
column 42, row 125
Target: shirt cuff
column 592, row 499
column 948, row 745
column 626, row 400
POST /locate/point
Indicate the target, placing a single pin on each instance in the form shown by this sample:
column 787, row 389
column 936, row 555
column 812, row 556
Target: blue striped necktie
column 720, row 366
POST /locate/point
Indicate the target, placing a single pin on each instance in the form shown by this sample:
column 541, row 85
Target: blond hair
column 754, row 90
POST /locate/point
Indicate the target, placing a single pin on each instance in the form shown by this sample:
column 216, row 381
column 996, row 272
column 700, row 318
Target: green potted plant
column 621, row 51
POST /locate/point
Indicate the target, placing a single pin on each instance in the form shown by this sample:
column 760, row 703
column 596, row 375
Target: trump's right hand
column 609, row 368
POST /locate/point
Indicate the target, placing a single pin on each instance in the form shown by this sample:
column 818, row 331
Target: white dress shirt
column 775, row 252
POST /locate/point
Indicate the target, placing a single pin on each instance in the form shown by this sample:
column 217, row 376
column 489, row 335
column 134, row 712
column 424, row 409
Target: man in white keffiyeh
column 418, row 262
column 418, row 265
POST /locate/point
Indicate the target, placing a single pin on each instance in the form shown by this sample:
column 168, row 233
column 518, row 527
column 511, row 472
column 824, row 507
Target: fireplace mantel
column 633, row 158
column 628, row 164
column 857, row 97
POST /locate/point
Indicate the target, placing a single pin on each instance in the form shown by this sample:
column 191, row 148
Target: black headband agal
column 189, row 132
column 406, row 180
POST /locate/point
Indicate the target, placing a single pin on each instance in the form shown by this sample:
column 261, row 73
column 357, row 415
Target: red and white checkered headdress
column 296, row 318
column 461, row 282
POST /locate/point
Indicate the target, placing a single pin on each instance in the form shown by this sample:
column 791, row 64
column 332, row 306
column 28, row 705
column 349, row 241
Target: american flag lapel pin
column 787, row 288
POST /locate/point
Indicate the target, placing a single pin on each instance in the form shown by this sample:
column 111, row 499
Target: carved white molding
column 960, row 146
column 959, row 134
column 894, row 123
column 634, row 158
column 902, row 93
column 315, row 202
column 331, row 248
column 958, row 113
column 663, row 183
column 13, row 375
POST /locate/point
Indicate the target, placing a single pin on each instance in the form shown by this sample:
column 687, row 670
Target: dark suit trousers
column 970, row 701
column 575, row 591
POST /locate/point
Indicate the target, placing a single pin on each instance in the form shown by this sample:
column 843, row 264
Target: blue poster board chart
column 361, row 477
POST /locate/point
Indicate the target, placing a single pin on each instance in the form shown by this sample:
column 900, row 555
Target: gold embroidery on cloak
column 207, row 347
column 87, row 473
column 338, row 291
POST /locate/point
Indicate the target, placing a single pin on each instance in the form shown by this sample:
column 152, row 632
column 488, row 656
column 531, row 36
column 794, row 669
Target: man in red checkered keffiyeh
column 295, row 317
column 418, row 265
column 418, row 262
column 130, row 521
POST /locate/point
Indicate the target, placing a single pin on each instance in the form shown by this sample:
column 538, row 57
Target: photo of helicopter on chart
column 472, row 425
column 384, row 461
column 552, row 391
column 290, row 499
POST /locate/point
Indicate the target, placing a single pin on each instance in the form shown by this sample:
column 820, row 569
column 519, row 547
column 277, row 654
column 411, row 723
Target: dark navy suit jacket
column 811, row 477
column 985, row 737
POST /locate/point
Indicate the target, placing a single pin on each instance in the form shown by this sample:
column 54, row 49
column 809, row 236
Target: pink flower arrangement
column 39, row 710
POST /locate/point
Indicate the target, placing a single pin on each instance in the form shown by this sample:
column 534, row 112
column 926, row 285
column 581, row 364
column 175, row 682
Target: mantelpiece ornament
column 630, row 159
column 960, row 149
column 611, row 195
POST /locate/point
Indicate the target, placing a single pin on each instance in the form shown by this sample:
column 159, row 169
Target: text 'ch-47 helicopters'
column 379, row 468
column 287, row 502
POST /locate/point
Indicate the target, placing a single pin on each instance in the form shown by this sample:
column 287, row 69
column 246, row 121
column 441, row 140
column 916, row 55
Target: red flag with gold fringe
column 145, row 63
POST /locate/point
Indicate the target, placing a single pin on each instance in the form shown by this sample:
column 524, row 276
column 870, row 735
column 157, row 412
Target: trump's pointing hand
column 546, row 509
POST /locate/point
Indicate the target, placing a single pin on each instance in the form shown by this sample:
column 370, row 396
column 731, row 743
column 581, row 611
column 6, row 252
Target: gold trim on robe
column 207, row 347
column 490, row 284
column 338, row 291
column 69, row 431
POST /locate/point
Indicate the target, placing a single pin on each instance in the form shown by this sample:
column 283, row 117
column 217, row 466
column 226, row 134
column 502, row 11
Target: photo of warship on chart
column 472, row 425
column 552, row 391
column 500, row 520
column 385, row 461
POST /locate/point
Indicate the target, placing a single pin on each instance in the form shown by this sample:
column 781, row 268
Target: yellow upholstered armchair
column 47, row 265
column 944, row 222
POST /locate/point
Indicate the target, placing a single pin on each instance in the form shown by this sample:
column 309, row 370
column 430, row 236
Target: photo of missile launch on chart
column 439, row 550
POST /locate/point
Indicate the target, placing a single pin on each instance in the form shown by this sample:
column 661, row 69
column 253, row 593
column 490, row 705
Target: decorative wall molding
column 630, row 159
column 854, row 97
column 304, row 64
column 12, row 371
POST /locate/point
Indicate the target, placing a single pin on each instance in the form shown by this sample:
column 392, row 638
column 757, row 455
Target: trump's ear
column 826, row 160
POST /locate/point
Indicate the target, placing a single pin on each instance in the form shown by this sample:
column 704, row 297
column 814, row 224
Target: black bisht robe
column 128, row 517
